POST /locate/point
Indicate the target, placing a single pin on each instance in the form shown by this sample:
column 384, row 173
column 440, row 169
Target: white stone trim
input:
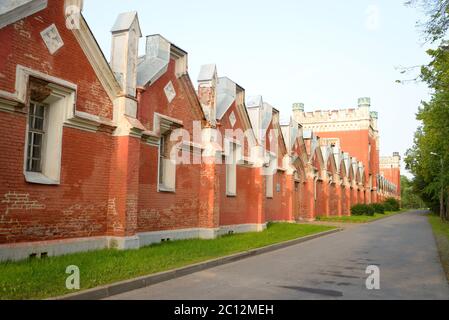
column 22, row 79
column 21, row 251
column 21, row 11
column 241, row 228
column 96, row 58
column 72, row 118
column 52, row 39
column 148, row 238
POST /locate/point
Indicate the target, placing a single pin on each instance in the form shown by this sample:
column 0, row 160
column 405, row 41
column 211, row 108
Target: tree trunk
column 447, row 206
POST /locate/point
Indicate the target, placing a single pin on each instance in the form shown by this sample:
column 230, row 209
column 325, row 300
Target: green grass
column 359, row 219
column 441, row 232
column 38, row 279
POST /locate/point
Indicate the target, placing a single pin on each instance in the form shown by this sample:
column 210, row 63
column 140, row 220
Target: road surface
column 331, row 267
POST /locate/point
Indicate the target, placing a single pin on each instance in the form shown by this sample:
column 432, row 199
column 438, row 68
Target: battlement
column 393, row 162
column 361, row 118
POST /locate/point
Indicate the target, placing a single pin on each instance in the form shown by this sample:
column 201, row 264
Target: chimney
column 78, row 4
column 207, row 87
column 298, row 107
column 125, row 44
column 397, row 156
column 364, row 102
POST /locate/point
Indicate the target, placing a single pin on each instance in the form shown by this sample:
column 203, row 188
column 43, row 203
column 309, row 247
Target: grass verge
column 39, row 279
column 441, row 232
column 359, row 219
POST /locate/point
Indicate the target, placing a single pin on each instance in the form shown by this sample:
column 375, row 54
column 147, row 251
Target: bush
column 378, row 208
column 388, row 207
column 362, row 210
column 391, row 204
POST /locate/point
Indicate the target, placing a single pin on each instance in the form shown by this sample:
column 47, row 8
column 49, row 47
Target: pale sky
column 325, row 54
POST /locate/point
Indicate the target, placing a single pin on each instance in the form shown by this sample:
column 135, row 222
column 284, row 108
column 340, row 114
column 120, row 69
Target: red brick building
column 127, row 153
column 355, row 131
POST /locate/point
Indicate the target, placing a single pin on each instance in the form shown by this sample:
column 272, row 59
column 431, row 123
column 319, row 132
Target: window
column 46, row 116
column 296, row 186
column 36, row 137
column 270, row 171
column 269, row 187
column 231, row 169
column 167, row 166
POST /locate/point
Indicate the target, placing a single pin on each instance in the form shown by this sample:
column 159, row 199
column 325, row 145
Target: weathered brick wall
column 79, row 205
column 394, row 176
column 241, row 209
column 356, row 143
column 75, row 208
column 22, row 44
column 277, row 207
column 321, row 199
column 245, row 207
column 162, row 210
column 185, row 105
column 334, row 202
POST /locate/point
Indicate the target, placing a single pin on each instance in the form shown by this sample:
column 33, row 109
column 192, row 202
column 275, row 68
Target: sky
column 325, row 54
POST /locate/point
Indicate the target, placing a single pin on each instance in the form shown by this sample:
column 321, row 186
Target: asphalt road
column 332, row 267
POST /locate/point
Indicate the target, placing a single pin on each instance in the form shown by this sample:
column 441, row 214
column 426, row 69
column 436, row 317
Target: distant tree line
column 409, row 197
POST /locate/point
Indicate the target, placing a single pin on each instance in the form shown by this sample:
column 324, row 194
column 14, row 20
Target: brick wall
column 79, row 205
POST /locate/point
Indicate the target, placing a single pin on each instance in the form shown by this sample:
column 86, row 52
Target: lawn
column 359, row 219
column 441, row 232
column 38, row 279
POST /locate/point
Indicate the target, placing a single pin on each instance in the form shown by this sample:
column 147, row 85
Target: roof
column 14, row 10
column 207, row 72
column 226, row 95
column 253, row 102
column 124, row 22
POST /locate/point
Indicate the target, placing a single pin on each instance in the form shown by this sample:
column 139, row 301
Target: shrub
column 358, row 210
column 378, row 208
column 370, row 211
column 362, row 209
column 391, row 204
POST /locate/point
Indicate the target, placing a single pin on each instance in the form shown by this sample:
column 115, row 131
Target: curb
column 146, row 281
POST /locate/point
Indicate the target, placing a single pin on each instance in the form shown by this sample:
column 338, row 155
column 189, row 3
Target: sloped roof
column 155, row 62
column 124, row 22
column 207, row 72
column 14, row 10
column 226, row 95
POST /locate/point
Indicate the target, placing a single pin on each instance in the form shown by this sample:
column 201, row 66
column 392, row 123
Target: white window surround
column 233, row 153
column 63, row 97
column 60, row 105
column 166, row 169
column 270, row 171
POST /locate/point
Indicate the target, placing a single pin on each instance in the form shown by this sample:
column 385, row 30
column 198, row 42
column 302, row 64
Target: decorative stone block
column 52, row 39
column 170, row 92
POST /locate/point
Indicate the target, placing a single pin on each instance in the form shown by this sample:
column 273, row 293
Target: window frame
column 161, row 185
column 32, row 132
column 233, row 150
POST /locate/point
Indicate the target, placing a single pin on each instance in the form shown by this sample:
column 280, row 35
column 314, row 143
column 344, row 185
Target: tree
column 438, row 12
column 429, row 156
column 410, row 198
